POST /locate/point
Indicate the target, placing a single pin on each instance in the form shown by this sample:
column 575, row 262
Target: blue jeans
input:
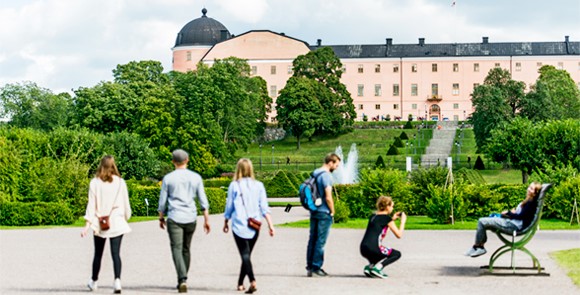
column 492, row 223
column 320, row 223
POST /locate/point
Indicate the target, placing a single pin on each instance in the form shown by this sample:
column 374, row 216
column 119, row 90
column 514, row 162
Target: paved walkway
column 58, row 261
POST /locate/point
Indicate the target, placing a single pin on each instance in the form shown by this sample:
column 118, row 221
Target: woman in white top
column 246, row 198
column 107, row 196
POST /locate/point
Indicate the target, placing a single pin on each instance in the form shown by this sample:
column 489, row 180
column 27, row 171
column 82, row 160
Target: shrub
column 562, row 199
column 341, row 211
column 137, row 195
column 294, row 180
column 479, row 164
column 380, row 163
column 420, row 180
column 35, row 213
column 555, row 175
column 439, row 204
column 376, row 183
column 398, row 143
column 280, row 186
column 404, row 135
column 10, row 162
column 220, row 182
column 217, row 200
column 408, row 125
column 134, row 158
column 393, row 151
column 481, row 200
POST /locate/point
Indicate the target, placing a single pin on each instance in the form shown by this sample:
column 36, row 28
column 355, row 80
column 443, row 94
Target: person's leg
column 492, row 223
column 245, row 248
column 323, row 228
column 311, row 241
column 99, row 247
column 188, row 230
column 116, row 254
column 175, row 232
column 394, row 256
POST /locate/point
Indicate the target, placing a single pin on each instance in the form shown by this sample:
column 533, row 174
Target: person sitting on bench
column 513, row 220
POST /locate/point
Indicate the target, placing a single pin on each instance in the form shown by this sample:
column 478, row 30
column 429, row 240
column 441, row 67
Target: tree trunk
column 524, row 177
column 298, row 142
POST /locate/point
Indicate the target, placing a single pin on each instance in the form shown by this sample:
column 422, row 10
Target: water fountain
column 347, row 171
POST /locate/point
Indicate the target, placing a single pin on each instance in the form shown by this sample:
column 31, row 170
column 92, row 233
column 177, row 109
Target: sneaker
column 319, row 273
column 117, row 286
column 182, row 288
column 92, row 285
column 377, row 273
column 367, row 271
column 475, row 252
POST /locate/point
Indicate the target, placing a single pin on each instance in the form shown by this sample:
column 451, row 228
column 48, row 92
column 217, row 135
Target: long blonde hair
column 244, row 168
column 107, row 169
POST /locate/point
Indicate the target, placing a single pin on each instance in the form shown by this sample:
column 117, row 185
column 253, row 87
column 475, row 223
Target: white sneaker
column 92, row 285
column 475, row 252
column 117, row 286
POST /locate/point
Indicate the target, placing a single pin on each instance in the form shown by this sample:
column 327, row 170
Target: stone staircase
column 440, row 145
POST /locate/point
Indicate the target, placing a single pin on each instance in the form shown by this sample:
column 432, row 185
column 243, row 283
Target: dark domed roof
column 202, row 31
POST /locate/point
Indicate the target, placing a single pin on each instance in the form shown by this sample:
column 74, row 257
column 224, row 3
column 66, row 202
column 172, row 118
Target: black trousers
column 245, row 247
column 115, row 253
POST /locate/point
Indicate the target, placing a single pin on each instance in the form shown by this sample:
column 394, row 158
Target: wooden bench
column 519, row 239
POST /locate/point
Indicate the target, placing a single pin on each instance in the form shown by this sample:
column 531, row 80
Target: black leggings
column 376, row 257
column 245, row 247
column 115, row 253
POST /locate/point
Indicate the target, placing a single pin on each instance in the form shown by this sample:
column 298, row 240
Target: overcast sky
column 67, row 44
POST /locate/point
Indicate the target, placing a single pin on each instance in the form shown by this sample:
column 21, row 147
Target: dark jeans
column 115, row 253
column 375, row 256
column 180, row 239
column 245, row 247
column 320, row 223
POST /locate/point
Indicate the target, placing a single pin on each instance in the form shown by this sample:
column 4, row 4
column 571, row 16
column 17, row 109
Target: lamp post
column 406, row 149
column 458, row 151
column 260, row 157
column 272, row 153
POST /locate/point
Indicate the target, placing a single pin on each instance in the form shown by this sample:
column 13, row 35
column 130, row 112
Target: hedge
column 280, row 186
column 217, row 182
column 35, row 213
column 138, row 193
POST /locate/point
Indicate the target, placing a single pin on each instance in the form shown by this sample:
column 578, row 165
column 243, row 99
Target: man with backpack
column 321, row 218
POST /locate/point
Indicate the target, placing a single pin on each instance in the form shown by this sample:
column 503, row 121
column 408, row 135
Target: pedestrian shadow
column 152, row 289
column 330, row 276
column 460, row 271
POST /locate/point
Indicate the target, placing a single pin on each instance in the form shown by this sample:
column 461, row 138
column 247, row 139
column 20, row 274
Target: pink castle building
column 434, row 81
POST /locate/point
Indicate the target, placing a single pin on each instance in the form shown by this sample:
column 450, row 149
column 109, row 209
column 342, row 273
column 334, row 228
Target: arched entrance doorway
column 435, row 112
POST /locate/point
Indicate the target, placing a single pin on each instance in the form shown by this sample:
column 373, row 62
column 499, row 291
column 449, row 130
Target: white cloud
column 64, row 44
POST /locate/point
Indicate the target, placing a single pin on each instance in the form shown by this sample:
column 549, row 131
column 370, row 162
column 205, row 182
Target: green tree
column 28, row 105
column 554, row 96
column 298, row 107
column 516, row 142
column 324, row 67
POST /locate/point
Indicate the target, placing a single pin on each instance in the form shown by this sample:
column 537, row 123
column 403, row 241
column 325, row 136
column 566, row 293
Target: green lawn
column 570, row 261
column 424, row 222
column 502, row 176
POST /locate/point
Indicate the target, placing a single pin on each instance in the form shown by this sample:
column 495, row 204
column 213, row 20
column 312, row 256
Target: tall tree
column 28, row 105
column 298, row 107
column 496, row 101
column 554, row 96
column 324, row 67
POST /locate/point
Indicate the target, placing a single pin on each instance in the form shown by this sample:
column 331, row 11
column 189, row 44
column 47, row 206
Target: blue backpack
column 308, row 193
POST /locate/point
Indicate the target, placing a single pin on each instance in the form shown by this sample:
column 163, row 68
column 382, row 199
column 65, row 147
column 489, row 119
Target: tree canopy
column 322, row 66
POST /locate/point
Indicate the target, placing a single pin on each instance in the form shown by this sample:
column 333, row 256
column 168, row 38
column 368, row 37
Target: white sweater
column 105, row 193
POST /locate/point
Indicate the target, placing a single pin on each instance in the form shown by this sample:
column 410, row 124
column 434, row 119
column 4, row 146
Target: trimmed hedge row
column 35, row 213
column 138, row 193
